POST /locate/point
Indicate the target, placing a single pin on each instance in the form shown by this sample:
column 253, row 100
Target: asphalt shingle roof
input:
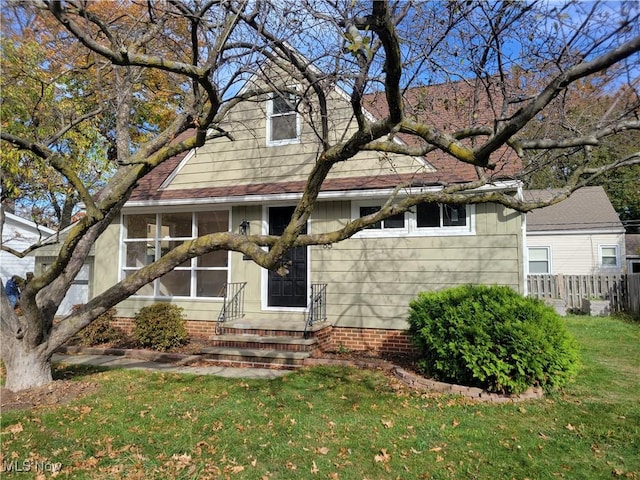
column 588, row 208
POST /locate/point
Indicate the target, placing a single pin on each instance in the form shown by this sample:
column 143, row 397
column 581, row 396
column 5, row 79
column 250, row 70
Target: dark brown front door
column 290, row 290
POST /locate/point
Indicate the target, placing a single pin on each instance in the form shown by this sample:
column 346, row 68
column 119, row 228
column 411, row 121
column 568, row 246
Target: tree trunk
column 25, row 368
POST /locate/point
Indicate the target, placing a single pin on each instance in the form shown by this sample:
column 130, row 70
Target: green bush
column 492, row 338
column 160, row 326
column 101, row 331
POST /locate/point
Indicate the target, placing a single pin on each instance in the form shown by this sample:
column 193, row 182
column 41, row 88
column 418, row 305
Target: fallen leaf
column 387, row 423
column 182, row 461
column 570, row 427
column 322, row 450
column 383, row 456
column 314, row 467
column 16, row 428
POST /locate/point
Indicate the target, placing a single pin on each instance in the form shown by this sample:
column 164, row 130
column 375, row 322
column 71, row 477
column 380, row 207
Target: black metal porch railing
column 233, row 303
column 317, row 306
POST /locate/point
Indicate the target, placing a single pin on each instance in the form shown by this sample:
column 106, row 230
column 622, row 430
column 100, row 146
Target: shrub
column 492, row 338
column 100, row 331
column 160, row 326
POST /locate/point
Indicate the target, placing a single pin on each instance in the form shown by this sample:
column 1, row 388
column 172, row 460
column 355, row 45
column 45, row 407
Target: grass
column 342, row 423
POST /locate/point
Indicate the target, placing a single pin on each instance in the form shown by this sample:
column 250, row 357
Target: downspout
column 523, row 226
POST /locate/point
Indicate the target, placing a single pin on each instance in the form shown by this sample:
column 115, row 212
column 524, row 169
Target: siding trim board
column 194, row 198
column 613, row 231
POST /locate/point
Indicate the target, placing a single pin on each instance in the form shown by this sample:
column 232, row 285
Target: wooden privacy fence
column 622, row 292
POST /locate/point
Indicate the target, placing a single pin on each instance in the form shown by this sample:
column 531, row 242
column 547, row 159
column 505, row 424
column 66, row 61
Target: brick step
column 287, row 328
column 274, row 342
column 260, row 357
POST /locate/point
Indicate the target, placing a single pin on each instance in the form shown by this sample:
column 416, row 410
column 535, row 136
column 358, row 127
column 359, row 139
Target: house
column 581, row 235
column 80, row 290
column 252, row 183
column 19, row 234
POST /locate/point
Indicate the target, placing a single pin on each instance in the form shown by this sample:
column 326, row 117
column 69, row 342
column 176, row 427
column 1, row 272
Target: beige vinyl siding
column 579, row 253
column 372, row 280
column 106, row 262
column 248, row 160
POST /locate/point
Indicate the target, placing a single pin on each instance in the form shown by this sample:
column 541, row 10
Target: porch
column 256, row 342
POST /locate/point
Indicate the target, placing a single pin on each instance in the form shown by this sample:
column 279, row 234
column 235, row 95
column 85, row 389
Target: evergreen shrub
column 160, row 326
column 491, row 338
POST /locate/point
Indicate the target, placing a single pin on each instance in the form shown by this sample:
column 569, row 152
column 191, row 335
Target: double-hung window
column 150, row 236
column 539, row 260
column 283, row 125
column 609, row 257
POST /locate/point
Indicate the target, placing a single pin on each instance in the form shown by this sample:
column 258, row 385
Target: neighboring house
column 581, row 235
column 80, row 290
column 252, row 183
column 632, row 246
column 19, row 234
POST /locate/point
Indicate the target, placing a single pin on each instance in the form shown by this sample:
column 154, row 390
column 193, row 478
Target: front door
column 290, row 290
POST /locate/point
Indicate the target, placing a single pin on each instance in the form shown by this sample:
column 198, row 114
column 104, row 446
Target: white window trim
column 287, row 141
column 122, row 268
column 600, row 255
column 411, row 224
column 549, row 259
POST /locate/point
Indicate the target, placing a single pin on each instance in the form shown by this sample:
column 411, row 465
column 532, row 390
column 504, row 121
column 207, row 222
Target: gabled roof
column 447, row 169
column 28, row 224
column 449, row 107
column 588, row 208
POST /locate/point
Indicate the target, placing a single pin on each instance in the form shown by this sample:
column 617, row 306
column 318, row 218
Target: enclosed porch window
column 150, row 236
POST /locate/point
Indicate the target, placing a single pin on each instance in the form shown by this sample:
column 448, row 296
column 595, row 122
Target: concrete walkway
column 113, row 361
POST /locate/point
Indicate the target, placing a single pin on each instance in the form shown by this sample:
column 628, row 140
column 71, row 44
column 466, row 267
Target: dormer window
column 283, row 126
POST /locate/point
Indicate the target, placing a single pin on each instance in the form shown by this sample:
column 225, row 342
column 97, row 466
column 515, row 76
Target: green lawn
column 341, row 423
